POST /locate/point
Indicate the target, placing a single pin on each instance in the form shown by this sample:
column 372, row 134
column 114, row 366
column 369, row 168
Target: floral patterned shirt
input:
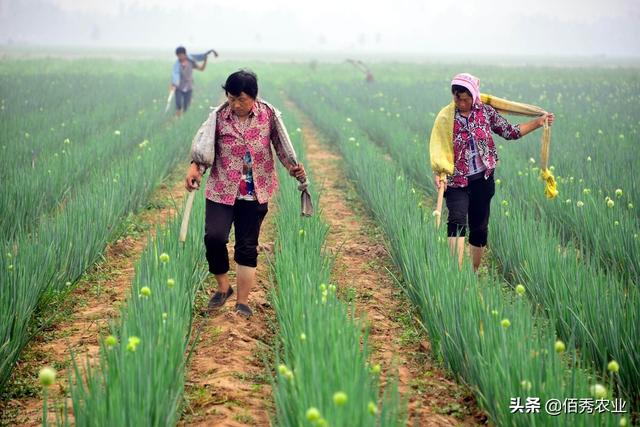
column 483, row 119
column 234, row 140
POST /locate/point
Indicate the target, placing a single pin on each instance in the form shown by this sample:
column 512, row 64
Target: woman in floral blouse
column 470, row 189
column 239, row 186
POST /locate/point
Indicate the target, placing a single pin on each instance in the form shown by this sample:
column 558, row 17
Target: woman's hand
column 193, row 178
column 538, row 122
column 548, row 116
column 298, row 172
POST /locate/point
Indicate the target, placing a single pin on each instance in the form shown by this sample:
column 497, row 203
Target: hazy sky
column 559, row 27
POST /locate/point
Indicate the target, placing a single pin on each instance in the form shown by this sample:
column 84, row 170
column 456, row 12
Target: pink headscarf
column 470, row 82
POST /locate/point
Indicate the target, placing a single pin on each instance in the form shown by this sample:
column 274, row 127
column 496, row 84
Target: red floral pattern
column 232, row 142
column 482, row 120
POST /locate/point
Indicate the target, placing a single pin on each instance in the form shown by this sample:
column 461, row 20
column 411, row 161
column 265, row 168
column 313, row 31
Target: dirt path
column 227, row 382
column 85, row 314
column 361, row 270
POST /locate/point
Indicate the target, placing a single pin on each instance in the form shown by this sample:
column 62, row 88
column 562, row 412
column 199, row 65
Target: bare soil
column 363, row 268
column 227, row 378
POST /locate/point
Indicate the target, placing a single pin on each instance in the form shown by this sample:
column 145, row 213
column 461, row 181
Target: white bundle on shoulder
column 203, row 146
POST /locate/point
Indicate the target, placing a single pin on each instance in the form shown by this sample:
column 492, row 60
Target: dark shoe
column 218, row 299
column 244, row 310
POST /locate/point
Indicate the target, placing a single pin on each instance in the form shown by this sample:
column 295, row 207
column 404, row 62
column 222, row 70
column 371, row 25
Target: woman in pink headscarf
column 470, row 189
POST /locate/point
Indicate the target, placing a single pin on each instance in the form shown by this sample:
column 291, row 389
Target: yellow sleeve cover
column 441, row 141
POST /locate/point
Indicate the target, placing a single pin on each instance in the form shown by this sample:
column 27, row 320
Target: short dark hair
column 242, row 81
column 180, row 49
column 457, row 90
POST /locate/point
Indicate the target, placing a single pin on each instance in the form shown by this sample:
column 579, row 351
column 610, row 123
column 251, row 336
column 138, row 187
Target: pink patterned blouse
column 482, row 120
column 233, row 140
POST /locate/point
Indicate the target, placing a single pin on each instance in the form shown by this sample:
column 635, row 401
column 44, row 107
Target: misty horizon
column 568, row 29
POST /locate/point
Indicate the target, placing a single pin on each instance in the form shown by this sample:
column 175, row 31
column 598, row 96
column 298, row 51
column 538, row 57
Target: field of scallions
column 363, row 318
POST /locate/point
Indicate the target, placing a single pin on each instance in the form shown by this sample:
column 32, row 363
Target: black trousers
column 247, row 218
column 472, row 202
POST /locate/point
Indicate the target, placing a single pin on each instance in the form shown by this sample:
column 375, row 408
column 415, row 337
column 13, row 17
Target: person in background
column 182, row 76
